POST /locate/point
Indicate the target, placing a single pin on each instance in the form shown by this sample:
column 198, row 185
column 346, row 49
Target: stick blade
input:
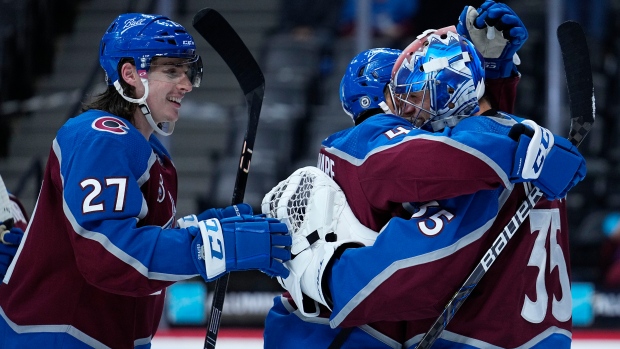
column 214, row 28
column 576, row 58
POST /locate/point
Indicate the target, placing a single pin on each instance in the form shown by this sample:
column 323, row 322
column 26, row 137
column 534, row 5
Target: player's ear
column 129, row 74
column 129, row 77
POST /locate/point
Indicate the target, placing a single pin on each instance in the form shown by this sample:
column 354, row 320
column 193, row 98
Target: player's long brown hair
column 112, row 102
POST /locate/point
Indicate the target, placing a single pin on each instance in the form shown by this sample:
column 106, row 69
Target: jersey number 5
column 434, row 224
column 547, row 222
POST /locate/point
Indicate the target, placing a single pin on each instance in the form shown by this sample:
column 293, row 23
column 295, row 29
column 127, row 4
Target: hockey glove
column 240, row 243
column 314, row 207
column 307, row 270
column 9, row 241
column 550, row 162
column 498, row 33
column 227, row 212
column 219, row 213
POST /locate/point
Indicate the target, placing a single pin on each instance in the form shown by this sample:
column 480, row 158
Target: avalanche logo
column 110, row 124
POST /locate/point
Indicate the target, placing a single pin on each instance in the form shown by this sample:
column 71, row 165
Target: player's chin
column 172, row 113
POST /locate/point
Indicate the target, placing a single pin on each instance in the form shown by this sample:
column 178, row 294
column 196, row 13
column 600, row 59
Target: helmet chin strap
column 385, row 108
column 144, row 108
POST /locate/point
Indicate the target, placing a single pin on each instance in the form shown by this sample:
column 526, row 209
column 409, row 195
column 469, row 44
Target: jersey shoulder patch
column 110, row 124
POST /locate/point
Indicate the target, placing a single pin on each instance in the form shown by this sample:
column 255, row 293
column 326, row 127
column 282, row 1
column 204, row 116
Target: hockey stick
column 578, row 73
column 224, row 39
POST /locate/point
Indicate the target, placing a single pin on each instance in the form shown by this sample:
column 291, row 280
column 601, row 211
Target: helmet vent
column 169, row 41
column 360, row 72
column 112, row 27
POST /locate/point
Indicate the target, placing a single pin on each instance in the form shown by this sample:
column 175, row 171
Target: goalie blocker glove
column 240, row 243
column 550, row 162
column 498, row 33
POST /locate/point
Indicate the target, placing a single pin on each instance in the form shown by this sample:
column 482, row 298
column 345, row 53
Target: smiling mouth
column 175, row 100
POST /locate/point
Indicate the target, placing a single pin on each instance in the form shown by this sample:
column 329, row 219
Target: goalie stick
column 578, row 73
column 214, row 28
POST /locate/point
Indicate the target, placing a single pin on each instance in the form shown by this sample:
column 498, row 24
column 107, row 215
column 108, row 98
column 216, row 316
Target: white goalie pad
column 314, row 207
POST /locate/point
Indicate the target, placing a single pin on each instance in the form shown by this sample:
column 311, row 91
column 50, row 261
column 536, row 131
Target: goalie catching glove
column 322, row 225
column 551, row 163
column 313, row 207
column 498, row 33
column 240, row 243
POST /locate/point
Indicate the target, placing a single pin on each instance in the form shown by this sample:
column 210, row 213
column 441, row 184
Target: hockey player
column 103, row 242
column 464, row 191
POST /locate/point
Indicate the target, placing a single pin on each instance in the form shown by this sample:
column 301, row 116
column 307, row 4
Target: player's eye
column 174, row 71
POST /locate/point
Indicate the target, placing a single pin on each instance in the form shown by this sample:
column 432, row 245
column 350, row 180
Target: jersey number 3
column 547, row 222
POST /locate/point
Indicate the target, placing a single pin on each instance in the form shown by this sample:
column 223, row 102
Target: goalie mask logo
column 110, row 124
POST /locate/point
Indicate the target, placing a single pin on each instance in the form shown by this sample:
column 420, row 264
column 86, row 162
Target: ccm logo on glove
column 211, row 231
column 541, row 148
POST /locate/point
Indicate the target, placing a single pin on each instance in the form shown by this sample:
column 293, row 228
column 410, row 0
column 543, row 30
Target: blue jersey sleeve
column 412, row 259
column 103, row 174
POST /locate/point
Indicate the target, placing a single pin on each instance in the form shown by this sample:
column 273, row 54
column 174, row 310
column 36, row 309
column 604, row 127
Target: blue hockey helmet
column 361, row 87
column 440, row 75
column 143, row 37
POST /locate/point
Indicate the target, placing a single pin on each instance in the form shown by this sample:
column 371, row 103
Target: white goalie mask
column 438, row 80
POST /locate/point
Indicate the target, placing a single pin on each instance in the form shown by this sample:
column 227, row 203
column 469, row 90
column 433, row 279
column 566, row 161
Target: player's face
column 414, row 106
column 168, row 84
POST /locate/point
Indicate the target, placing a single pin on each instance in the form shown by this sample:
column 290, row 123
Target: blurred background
column 49, row 65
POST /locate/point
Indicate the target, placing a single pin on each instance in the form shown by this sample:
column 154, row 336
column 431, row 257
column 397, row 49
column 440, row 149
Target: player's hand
column 9, row 241
column 550, row 162
column 497, row 33
column 219, row 213
column 226, row 212
column 240, row 243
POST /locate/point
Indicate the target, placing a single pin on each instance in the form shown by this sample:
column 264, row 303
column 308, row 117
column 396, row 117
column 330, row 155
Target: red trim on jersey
column 201, row 332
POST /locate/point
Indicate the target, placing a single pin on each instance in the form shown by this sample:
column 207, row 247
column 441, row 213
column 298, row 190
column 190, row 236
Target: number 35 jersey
column 420, row 260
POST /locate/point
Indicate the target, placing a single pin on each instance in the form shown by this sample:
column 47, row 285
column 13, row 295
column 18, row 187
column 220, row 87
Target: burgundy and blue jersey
column 440, row 200
column 100, row 248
